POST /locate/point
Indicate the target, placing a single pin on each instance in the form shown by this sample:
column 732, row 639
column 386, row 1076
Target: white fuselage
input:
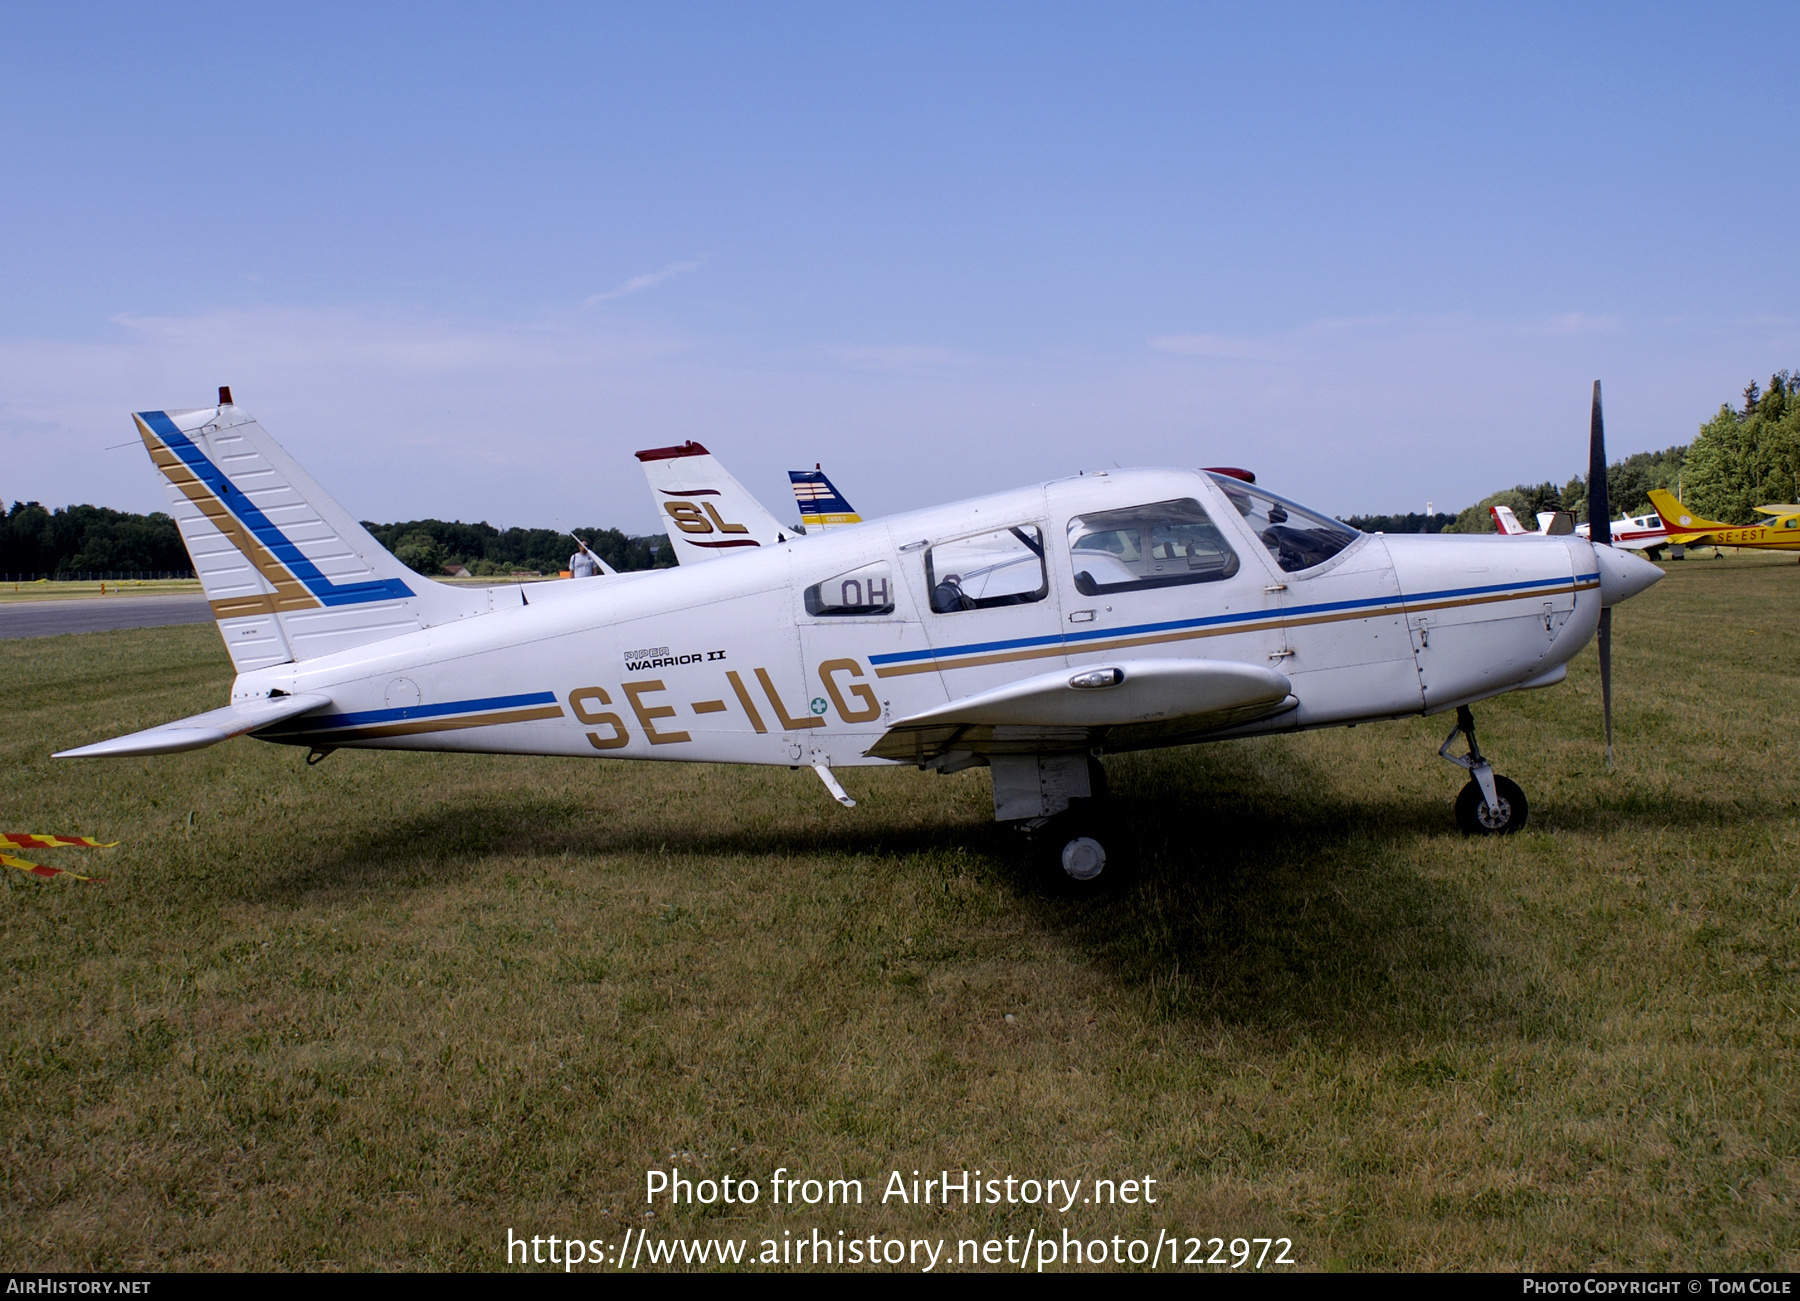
column 1635, row 532
column 722, row 662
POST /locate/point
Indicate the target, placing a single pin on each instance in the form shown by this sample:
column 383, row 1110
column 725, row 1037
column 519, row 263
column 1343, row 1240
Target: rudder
column 290, row 575
column 821, row 504
column 712, row 513
column 1677, row 518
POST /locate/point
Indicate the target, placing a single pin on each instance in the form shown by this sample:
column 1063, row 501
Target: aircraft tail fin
column 1677, row 518
column 711, row 513
column 290, row 574
column 821, row 504
column 1506, row 522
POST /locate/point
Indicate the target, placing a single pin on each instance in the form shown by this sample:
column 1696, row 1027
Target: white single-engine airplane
column 1028, row 631
column 1645, row 533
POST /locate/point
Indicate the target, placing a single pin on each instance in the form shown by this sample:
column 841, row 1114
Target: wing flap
column 1122, row 704
column 203, row 729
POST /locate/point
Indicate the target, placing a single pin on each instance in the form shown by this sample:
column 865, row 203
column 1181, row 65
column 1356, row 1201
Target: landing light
column 1097, row 678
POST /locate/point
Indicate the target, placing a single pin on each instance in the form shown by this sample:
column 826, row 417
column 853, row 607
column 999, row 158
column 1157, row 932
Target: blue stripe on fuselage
column 313, row 722
column 1074, row 639
column 263, row 528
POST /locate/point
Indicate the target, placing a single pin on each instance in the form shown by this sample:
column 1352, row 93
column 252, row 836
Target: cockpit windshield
column 1297, row 537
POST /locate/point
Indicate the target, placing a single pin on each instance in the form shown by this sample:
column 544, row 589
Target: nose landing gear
column 1490, row 805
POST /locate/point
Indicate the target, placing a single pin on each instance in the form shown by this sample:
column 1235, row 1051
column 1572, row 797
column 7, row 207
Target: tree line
column 431, row 546
column 95, row 539
column 88, row 539
column 1744, row 457
column 1748, row 457
column 1628, row 485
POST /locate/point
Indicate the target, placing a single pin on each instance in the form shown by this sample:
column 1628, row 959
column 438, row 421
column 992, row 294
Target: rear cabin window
column 864, row 592
column 1164, row 544
column 1005, row 567
column 1297, row 537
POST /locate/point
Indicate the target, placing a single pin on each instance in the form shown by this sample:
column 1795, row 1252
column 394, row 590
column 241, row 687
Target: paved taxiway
column 103, row 614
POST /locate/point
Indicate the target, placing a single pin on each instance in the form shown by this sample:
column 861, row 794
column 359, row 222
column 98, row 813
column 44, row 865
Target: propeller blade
column 1599, row 509
column 1600, row 534
column 1604, row 639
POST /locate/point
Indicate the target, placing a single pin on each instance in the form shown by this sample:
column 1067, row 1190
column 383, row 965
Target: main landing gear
column 1490, row 805
column 1059, row 802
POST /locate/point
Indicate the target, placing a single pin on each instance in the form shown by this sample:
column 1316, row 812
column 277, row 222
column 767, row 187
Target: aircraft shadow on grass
column 1242, row 909
column 1252, row 904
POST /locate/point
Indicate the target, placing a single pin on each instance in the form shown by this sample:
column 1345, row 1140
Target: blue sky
column 462, row 262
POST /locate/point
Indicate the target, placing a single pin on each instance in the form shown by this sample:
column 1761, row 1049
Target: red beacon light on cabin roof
column 1231, row 470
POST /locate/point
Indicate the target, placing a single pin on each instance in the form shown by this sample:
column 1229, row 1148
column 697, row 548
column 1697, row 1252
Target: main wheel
column 1475, row 817
column 1078, row 850
column 1082, row 859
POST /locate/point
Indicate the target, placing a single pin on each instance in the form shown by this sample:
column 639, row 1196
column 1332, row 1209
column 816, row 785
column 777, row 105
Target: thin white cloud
column 404, row 413
column 1218, row 346
column 645, row 281
column 900, row 356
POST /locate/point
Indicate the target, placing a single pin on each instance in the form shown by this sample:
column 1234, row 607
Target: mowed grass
column 374, row 1013
column 76, row 590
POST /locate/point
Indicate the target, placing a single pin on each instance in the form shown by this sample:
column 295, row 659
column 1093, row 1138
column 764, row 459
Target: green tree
column 420, row 552
column 1526, row 500
column 77, row 538
column 1743, row 460
column 1628, row 482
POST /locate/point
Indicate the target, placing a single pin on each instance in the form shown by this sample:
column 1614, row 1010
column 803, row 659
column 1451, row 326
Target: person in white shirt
column 584, row 563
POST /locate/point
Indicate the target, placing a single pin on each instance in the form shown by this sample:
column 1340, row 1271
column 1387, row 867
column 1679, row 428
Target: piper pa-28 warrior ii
column 1028, row 631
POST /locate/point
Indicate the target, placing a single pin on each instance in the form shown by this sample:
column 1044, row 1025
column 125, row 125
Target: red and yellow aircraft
column 1780, row 532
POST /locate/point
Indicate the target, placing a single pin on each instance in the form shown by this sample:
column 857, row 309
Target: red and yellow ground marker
column 33, row 840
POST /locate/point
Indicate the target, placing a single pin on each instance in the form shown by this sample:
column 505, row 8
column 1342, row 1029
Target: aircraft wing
column 203, row 729
column 1122, row 704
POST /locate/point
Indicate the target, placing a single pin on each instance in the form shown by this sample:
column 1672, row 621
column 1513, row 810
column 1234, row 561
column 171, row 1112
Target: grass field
column 45, row 590
column 374, row 1013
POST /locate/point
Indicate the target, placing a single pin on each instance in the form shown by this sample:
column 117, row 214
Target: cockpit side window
column 1005, row 567
column 1165, row 544
column 1297, row 537
column 860, row 593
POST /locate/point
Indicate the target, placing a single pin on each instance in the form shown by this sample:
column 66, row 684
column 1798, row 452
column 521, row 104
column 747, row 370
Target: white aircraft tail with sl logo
column 290, row 573
column 709, row 513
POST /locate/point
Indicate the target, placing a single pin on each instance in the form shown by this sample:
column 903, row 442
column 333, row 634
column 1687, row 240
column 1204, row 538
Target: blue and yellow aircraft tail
column 821, row 505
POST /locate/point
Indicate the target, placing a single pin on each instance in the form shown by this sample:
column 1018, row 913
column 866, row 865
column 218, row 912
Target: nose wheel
column 1490, row 805
column 1477, row 817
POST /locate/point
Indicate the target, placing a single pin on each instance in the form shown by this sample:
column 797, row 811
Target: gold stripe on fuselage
column 435, row 725
column 1192, row 634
